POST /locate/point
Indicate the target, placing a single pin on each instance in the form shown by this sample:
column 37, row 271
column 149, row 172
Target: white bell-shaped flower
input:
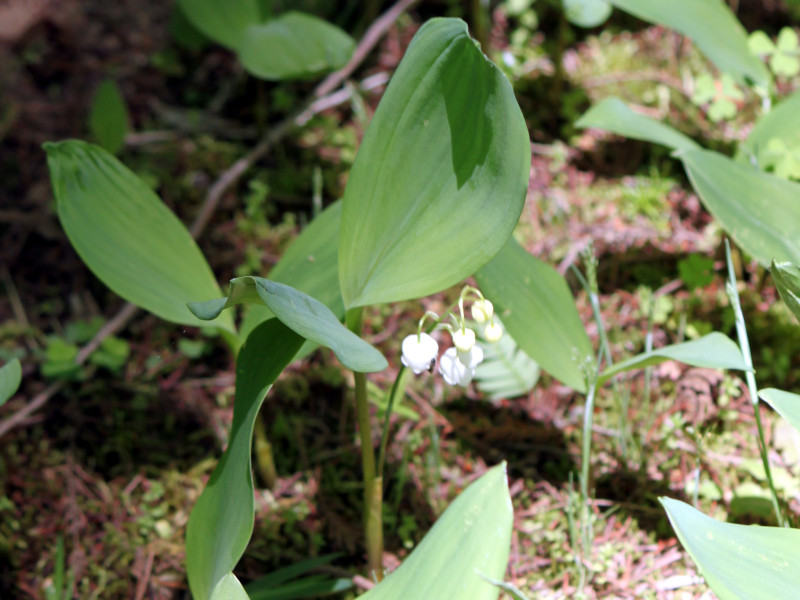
column 482, row 311
column 493, row 332
column 472, row 358
column 419, row 352
column 453, row 370
column 463, row 339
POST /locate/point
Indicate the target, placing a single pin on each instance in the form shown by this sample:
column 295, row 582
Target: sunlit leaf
column 613, row 115
column 109, row 121
column 10, row 379
column 469, row 543
column 303, row 314
column 294, row 45
column 538, row 310
column 787, row 279
column 586, row 13
column 223, row 22
column 229, row 588
column 739, row 562
column 760, row 211
column 440, row 178
column 781, row 123
column 222, row 520
column 129, row 239
column 712, row 27
column 785, row 403
column 714, row 350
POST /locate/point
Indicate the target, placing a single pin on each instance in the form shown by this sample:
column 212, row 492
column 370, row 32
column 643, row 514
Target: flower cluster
column 458, row 363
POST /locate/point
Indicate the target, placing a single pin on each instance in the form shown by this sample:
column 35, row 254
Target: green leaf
column 222, row 520
column 129, row 239
column 469, row 542
column 714, row 350
column 439, row 182
column 506, row 371
column 224, row 22
column 781, row 123
column 310, row 265
column 538, row 310
column 787, row 280
column 586, row 13
column 721, row 109
column 739, row 561
column 760, row 211
column 284, row 584
column 760, row 44
column 294, row 45
column 613, row 115
column 785, row 403
column 303, row 314
column 10, row 379
column 109, row 121
column 229, row 588
column 712, row 27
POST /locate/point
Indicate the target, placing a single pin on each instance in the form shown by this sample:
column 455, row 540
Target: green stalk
column 373, row 487
column 750, row 378
column 265, row 461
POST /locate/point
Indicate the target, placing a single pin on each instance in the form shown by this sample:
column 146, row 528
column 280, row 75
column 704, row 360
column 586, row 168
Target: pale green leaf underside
column 506, row 371
column 294, row 45
column 303, row 314
column 126, row 235
column 787, row 279
column 10, row 379
column 612, row 114
column 469, row 542
column 223, row 22
column 714, row 350
column 439, row 181
column 586, row 13
column 712, row 27
column 739, row 562
column 538, row 310
column 785, row 403
column 760, row 211
column 229, row 588
column 221, row 522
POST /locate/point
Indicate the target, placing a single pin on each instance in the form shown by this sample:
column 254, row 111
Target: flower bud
column 482, row 311
column 493, row 332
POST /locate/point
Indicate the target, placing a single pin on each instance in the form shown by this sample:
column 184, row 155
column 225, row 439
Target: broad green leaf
column 221, row 522
column 303, row 314
column 714, row 350
column 469, row 542
column 760, row 211
column 586, row 13
column 224, row 22
column 439, row 182
column 109, row 121
column 310, row 265
column 712, row 27
column 612, row 114
column 739, row 562
column 294, row 45
column 229, row 588
column 785, row 403
column 506, row 371
column 10, row 378
column 787, row 280
column 538, row 310
column 129, row 239
column 781, row 123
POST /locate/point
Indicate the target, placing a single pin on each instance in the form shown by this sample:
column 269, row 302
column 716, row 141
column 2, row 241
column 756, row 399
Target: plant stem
column 750, row 378
column 265, row 462
column 588, row 414
column 373, row 487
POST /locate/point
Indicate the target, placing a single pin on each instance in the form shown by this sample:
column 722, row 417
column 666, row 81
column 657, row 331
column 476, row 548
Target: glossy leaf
column 301, row 313
column 537, row 309
column 439, row 182
column 10, row 379
column 787, row 279
column 586, row 13
column 223, row 22
column 295, row 45
column 712, row 27
column 221, row 522
column 310, row 265
column 739, row 562
column 760, row 211
column 109, row 121
column 781, row 123
column 785, row 403
column 714, row 350
column 469, row 542
column 229, row 588
column 129, row 239
column 612, row 114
